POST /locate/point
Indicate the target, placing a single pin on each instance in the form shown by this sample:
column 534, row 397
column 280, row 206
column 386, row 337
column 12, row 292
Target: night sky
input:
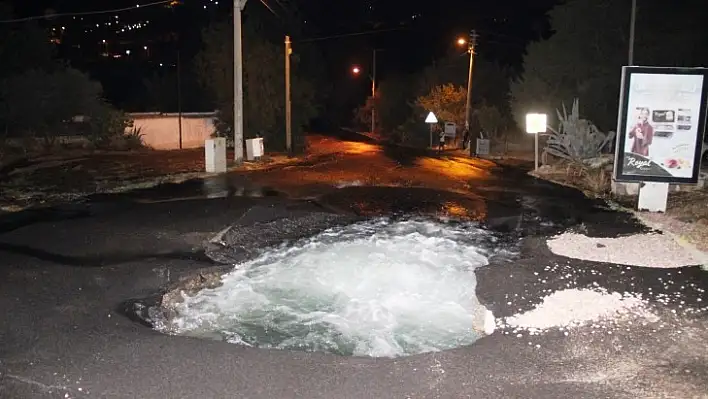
column 411, row 34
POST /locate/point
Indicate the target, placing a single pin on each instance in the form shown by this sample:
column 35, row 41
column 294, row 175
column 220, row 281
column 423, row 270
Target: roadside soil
column 69, row 176
column 686, row 216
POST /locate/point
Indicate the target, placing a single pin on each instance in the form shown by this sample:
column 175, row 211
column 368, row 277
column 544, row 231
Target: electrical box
column 483, row 146
column 254, row 148
column 215, row 155
column 450, row 129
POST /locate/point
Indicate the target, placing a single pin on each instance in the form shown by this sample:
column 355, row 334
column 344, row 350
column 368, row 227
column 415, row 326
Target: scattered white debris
column 577, row 307
column 644, row 250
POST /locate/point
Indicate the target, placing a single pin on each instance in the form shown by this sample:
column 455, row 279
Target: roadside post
column 536, row 124
column 431, row 120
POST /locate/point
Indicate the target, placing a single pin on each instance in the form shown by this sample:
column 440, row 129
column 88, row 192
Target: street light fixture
column 461, row 41
column 356, row 70
column 536, row 124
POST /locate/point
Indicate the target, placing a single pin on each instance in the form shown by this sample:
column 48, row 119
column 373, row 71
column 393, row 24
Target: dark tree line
column 40, row 96
column 584, row 56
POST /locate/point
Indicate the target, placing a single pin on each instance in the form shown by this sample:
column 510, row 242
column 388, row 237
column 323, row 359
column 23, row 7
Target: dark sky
column 428, row 28
column 411, row 33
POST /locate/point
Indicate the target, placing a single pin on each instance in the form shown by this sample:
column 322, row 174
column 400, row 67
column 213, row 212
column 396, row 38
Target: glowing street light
column 356, row 70
column 461, row 41
column 536, row 124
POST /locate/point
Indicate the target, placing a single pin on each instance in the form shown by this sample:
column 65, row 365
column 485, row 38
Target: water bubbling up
column 381, row 288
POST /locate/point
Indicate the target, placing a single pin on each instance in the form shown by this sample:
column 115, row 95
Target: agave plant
column 135, row 138
column 576, row 139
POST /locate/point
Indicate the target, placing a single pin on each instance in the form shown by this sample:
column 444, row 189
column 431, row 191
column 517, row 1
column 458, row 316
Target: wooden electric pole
column 472, row 43
column 288, row 102
column 373, row 95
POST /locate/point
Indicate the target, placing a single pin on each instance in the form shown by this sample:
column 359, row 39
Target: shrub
column 576, row 139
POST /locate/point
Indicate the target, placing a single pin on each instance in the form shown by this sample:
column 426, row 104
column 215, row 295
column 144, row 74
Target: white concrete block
column 215, row 155
column 254, row 148
column 653, row 197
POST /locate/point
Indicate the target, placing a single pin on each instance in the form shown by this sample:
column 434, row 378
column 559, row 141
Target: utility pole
column 238, row 82
column 373, row 96
column 472, row 43
column 288, row 103
column 632, row 25
column 179, row 96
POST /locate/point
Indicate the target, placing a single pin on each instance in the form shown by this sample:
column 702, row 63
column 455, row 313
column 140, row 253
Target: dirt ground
column 73, row 175
column 686, row 214
column 686, row 217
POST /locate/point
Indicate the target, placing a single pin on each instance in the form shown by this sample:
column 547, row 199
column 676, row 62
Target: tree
column 23, row 46
column 447, row 102
column 34, row 103
column 583, row 59
column 490, row 120
column 490, row 82
column 40, row 96
column 264, row 83
column 362, row 115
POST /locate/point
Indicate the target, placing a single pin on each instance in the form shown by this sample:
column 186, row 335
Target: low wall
column 161, row 131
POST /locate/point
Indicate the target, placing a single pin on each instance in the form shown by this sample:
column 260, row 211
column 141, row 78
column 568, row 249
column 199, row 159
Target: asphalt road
column 66, row 274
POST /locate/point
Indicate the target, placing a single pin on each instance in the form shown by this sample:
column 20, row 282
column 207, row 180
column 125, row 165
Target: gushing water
column 382, row 289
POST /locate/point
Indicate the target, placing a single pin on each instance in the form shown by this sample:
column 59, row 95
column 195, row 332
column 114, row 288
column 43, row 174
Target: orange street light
column 356, row 70
column 461, row 41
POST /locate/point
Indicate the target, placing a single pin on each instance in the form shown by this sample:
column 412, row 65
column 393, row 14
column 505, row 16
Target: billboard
column 661, row 123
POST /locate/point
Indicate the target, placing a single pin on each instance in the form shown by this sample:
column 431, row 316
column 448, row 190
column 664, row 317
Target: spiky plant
column 576, row 139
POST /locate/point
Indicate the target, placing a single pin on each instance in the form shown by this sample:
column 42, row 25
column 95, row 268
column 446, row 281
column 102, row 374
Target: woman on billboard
column 642, row 133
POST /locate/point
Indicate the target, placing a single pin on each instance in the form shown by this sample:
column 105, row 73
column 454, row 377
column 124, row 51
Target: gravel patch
column 643, row 250
column 578, row 307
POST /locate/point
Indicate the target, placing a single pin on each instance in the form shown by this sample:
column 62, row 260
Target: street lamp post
column 373, row 95
column 471, row 44
column 536, row 124
column 288, row 100
column 356, row 71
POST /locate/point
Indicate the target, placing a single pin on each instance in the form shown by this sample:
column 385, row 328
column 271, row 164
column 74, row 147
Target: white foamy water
column 381, row 289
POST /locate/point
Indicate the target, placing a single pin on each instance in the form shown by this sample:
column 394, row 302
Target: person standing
column 441, row 143
column 642, row 133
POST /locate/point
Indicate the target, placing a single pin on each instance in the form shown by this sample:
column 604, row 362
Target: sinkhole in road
column 380, row 288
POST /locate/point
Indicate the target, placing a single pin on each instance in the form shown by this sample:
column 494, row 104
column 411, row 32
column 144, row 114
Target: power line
column 503, row 36
column 368, row 32
column 269, row 8
column 282, row 6
column 78, row 14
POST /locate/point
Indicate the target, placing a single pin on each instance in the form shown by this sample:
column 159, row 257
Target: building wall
column 161, row 131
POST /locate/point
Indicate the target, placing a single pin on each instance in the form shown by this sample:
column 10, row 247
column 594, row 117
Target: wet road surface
column 66, row 274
